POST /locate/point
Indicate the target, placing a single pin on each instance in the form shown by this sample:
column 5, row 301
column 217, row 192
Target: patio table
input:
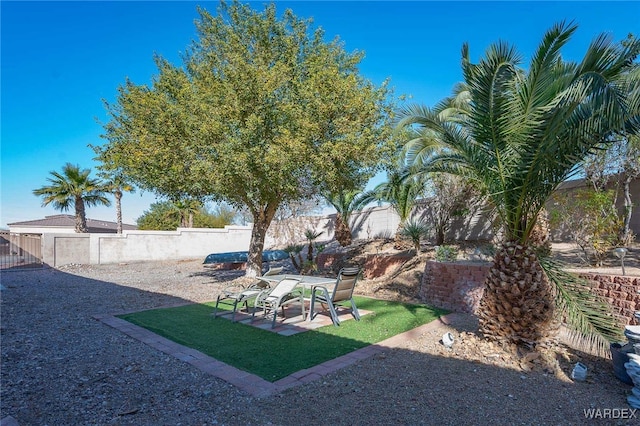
column 306, row 281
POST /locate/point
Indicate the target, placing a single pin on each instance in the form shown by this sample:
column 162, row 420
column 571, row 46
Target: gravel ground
column 62, row 367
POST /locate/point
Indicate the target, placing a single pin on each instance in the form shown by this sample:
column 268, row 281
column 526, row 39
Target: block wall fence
column 138, row 246
column 458, row 286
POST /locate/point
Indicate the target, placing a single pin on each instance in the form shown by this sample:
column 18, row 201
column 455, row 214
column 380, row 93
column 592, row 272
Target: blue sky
column 60, row 59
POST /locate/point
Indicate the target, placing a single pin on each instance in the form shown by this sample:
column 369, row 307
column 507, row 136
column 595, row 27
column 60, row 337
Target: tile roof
column 67, row 220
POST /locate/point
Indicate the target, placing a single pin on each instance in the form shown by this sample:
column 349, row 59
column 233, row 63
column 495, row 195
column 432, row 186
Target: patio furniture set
column 274, row 291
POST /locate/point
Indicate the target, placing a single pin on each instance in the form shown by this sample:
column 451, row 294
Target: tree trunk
column 440, row 236
column 261, row 221
column 81, row 219
column 400, row 242
column 540, row 237
column 118, row 197
column 518, row 304
column 310, row 251
column 343, row 232
column 628, row 211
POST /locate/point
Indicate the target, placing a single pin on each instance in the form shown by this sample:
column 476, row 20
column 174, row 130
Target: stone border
column 250, row 383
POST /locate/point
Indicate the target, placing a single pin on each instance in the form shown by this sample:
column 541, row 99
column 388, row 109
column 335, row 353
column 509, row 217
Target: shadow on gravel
column 575, row 257
column 410, row 388
column 61, row 366
column 219, row 275
column 224, row 275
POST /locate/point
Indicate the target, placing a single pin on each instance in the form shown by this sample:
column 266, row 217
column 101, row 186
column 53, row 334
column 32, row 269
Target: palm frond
column 592, row 325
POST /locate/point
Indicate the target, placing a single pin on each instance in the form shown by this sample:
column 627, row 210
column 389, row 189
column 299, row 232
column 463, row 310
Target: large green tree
column 262, row 112
column 167, row 216
column 519, row 134
column 73, row 188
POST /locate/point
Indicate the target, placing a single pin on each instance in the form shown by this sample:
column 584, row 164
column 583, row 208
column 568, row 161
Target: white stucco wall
column 17, row 229
column 137, row 246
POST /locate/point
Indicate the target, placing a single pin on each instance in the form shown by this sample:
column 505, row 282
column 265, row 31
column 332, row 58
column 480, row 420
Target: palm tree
column 401, row 192
column 73, row 187
column 117, row 185
column 415, row 230
column 311, row 235
column 187, row 208
column 522, row 133
column 345, row 203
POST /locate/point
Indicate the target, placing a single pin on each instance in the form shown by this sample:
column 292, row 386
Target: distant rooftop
column 69, row 221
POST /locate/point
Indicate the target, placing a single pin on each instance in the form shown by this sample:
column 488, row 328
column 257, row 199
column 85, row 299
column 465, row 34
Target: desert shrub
column 415, row 231
column 591, row 219
column 446, row 253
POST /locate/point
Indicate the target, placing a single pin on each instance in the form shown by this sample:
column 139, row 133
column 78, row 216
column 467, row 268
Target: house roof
column 67, row 220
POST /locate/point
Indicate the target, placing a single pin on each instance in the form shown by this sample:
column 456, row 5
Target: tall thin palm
column 345, row 203
column 117, row 186
column 520, row 135
column 73, row 188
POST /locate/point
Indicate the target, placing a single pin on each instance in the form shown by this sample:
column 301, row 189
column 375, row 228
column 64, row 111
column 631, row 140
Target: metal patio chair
column 343, row 291
column 238, row 295
column 284, row 293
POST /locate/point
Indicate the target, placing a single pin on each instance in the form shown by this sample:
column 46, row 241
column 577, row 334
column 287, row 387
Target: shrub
column 592, row 221
column 446, row 253
column 415, row 230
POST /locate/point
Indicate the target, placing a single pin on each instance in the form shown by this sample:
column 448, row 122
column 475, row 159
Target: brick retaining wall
column 373, row 265
column 458, row 286
column 620, row 291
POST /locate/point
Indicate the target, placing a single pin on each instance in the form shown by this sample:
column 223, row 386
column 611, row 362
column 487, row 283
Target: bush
column 592, row 221
column 415, row 230
column 446, row 253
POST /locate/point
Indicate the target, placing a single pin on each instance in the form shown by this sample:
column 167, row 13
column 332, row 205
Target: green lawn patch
column 270, row 355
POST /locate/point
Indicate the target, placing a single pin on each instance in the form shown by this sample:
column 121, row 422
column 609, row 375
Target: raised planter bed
column 373, row 265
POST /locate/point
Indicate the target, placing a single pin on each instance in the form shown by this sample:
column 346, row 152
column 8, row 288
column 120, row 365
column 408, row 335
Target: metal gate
column 20, row 251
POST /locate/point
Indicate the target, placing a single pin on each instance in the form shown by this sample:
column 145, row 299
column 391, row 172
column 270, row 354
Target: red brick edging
column 250, row 383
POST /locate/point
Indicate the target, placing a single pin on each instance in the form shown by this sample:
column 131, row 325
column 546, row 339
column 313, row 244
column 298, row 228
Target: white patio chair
column 238, row 295
column 284, row 293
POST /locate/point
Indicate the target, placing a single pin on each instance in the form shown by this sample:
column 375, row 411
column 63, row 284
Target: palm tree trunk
column 343, row 232
column 118, row 197
column 310, row 251
column 399, row 241
column 518, row 303
column 628, row 211
column 540, row 237
column 81, row 220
